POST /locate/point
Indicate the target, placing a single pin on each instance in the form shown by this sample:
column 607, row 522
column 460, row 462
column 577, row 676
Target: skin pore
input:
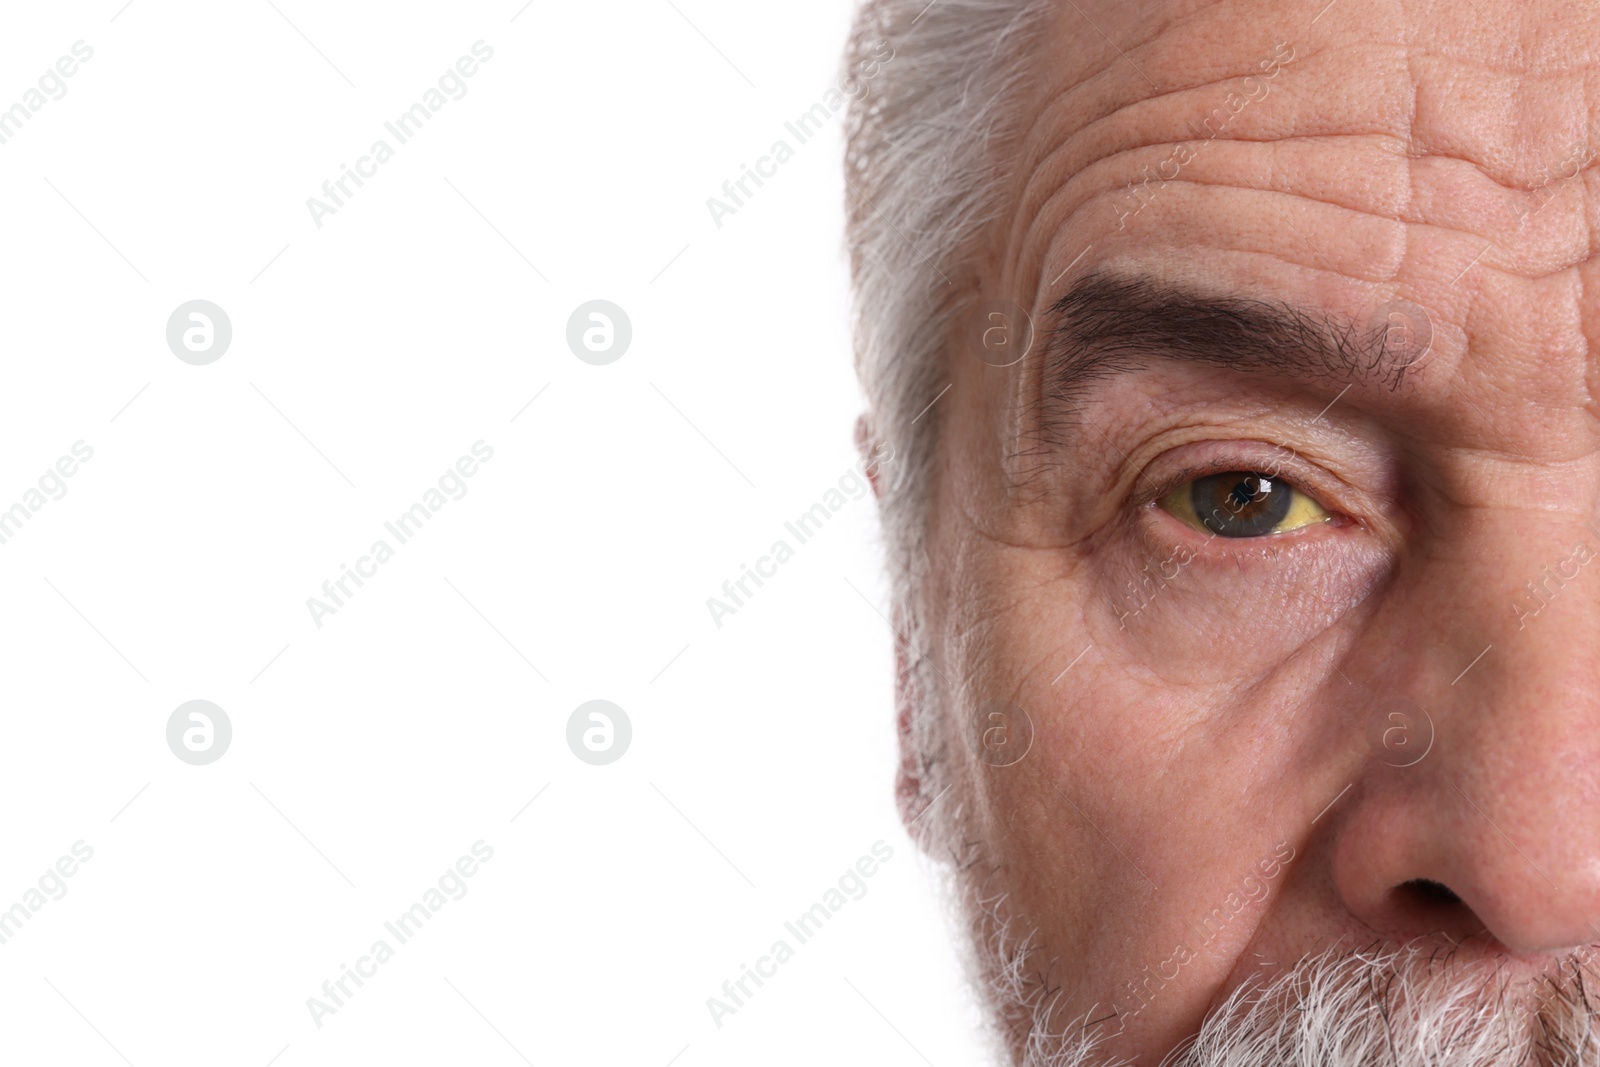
column 1203, row 707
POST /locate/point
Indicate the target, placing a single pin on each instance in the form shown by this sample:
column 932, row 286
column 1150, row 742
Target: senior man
column 1237, row 360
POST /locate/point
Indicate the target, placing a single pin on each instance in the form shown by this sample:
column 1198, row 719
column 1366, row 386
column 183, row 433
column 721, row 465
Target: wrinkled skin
column 1427, row 152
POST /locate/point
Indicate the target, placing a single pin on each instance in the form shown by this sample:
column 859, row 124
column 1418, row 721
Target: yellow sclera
column 1233, row 522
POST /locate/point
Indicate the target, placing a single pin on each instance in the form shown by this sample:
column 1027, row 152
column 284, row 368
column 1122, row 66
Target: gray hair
column 921, row 176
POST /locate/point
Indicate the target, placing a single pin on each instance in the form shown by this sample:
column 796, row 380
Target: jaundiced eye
column 1242, row 504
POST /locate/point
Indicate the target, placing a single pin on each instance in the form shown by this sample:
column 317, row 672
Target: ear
column 911, row 784
column 872, row 454
column 910, row 796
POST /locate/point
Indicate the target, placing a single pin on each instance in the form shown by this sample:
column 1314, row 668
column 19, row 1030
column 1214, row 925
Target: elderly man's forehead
column 1501, row 86
column 1331, row 157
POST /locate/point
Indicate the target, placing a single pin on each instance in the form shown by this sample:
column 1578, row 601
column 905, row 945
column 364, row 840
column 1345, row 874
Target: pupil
column 1240, row 504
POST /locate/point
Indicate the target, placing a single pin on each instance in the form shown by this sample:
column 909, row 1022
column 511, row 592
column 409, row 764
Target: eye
column 1242, row 504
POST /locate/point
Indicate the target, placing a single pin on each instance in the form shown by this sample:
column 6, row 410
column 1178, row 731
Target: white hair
column 923, row 168
column 923, row 165
column 1407, row 1006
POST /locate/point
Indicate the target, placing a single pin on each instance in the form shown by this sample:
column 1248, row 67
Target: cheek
column 1152, row 738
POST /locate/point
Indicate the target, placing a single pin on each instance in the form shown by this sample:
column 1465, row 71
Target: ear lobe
column 911, row 798
column 867, row 448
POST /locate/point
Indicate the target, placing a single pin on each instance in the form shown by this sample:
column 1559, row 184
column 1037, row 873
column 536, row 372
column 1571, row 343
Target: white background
column 367, row 355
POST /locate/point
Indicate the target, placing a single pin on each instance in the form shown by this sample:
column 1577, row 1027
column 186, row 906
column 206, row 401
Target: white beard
column 1400, row 1008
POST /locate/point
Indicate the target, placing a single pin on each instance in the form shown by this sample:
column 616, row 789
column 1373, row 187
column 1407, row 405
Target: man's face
column 1246, row 540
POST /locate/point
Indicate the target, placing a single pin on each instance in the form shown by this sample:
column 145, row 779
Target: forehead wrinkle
column 1108, row 97
column 1519, row 258
column 1072, row 197
column 1373, row 244
column 1106, row 103
column 1411, row 65
column 1048, row 170
column 1121, row 130
column 1133, row 129
column 1414, row 60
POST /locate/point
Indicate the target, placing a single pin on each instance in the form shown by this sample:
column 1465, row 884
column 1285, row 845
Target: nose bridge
column 1531, row 697
column 1554, row 576
column 1520, row 727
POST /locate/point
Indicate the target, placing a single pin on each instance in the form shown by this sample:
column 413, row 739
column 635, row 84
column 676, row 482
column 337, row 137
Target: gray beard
column 1406, row 1007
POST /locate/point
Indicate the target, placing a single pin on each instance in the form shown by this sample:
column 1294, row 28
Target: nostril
column 1425, row 908
column 1430, row 893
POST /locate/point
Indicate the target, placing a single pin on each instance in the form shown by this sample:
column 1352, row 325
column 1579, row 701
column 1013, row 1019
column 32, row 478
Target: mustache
column 1399, row 1007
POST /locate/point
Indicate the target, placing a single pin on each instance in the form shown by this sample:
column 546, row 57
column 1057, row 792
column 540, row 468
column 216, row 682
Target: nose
column 1497, row 828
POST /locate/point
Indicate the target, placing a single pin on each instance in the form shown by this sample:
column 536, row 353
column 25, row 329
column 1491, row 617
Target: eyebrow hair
column 1111, row 324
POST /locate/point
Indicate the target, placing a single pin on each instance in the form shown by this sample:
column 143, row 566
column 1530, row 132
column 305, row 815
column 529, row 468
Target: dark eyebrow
column 1111, row 324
